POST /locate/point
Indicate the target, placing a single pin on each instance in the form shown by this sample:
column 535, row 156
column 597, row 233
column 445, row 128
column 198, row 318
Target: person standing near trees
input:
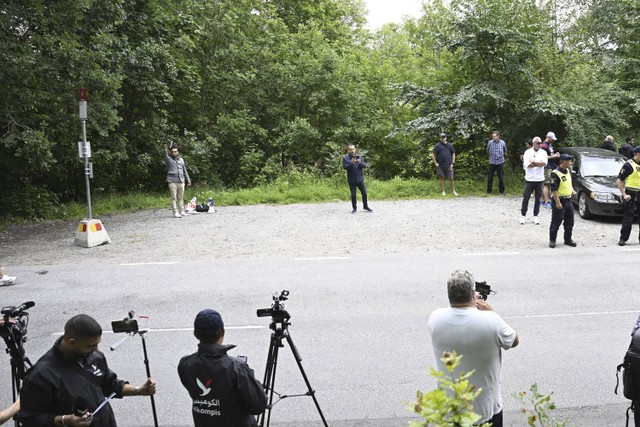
column 626, row 149
column 608, row 144
column 497, row 151
column 547, row 146
column 177, row 177
column 353, row 164
column 444, row 157
column 533, row 162
column 472, row 329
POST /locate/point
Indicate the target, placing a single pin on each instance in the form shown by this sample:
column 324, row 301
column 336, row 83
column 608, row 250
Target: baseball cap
column 208, row 322
column 443, row 135
column 552, row 136
column 636, row 150
column 564, row 157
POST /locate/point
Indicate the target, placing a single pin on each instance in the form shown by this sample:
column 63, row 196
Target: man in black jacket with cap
column 223, row 389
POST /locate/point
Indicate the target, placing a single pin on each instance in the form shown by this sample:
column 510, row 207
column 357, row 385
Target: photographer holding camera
column 224, row 390
column 69, row 385
column 470, row 328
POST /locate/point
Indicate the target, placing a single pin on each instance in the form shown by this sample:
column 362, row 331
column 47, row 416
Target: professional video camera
column 276, row 311
column 484, row 290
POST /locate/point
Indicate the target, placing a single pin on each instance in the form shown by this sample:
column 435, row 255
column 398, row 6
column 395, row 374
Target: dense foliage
column 252, row 89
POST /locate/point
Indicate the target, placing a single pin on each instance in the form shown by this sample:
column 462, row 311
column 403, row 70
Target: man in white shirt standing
column 470, row 328
column 533, row 162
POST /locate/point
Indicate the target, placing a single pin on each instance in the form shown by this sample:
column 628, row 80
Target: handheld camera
column 484, row 290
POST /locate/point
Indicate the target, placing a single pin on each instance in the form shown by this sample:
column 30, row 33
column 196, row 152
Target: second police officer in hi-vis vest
column 629, row 185
column 562, row 206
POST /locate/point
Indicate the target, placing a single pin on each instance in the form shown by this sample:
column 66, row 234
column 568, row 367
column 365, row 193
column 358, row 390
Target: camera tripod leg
column 146, row 364
column 270, row 377
column 310, row 391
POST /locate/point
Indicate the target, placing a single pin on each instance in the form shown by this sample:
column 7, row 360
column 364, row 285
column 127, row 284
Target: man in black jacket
column 73, row 379
column 353, row 164
column 223, row 389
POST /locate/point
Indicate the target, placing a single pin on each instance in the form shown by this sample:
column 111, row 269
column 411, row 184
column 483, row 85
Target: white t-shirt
column 536, row 173
column 479, row 336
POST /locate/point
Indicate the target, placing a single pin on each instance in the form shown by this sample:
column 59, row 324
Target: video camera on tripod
column 280, row 326
column 276, row 311
column 14, row 333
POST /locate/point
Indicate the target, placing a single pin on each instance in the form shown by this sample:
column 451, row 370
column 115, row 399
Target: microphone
column 80, row 406
column 22, row 307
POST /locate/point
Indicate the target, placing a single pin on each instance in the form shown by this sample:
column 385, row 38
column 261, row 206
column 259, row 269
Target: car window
column 597, row 166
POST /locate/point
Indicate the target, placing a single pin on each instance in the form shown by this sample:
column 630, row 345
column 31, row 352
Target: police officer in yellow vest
column 562, row 192
column 629, row 185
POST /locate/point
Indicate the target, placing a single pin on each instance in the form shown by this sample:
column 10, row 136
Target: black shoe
column 571, row 243
column 354, row 210
column 622, row 242
column 552, row 244
column 368, row 209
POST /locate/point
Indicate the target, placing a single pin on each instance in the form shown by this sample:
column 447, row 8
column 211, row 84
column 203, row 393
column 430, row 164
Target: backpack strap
column 631, row 408
column 617, row 377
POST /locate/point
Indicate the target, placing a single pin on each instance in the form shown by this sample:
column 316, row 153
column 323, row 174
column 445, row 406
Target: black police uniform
column 565, row 214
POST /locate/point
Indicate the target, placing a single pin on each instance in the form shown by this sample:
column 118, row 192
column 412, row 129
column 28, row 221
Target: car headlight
column 604, row 197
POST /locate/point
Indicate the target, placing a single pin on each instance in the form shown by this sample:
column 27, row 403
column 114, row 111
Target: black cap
column 564, row 157
column 636, row 150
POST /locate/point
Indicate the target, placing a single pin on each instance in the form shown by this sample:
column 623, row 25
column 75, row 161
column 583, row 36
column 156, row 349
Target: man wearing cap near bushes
column 562, row 206
column 224, row 390
column 629, row 185
column 444, row 157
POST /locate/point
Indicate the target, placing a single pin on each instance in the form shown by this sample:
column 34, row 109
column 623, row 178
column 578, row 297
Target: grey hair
column 536, row 139
column 460, row 287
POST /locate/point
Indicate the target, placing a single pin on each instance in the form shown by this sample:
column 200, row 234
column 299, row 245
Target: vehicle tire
column 583, row 207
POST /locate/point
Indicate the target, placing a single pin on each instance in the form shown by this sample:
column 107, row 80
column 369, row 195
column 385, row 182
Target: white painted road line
column 321, row 258
column 151, row 263
column 491, row 253
column 595, row 313
column 179, row 329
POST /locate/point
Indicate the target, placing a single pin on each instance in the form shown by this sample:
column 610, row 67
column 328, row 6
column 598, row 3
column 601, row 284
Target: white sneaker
column 443, row 194
column 7, row 280
column 176, row 215
column 523, row 219
column 183, row 213
column 536, row 221
column 455, row 194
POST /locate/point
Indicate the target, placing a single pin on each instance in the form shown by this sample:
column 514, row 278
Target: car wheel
column 583, row 207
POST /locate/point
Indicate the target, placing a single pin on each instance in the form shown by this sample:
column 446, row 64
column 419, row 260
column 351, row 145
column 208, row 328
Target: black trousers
column 363, row 191
column 493, row 169
column 530, row 187
column 630, row 209
column 496, row 420
column 561, row 216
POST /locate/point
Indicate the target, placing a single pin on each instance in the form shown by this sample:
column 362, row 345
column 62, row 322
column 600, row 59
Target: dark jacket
column 354, row 171
column 224, row 390
column 54, row 384
column 626, row 150
column 608, row 145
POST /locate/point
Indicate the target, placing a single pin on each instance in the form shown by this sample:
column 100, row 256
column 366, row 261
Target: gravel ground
column 469, row 224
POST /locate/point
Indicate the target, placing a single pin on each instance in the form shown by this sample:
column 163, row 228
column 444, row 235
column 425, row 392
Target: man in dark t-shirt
column 444, row 157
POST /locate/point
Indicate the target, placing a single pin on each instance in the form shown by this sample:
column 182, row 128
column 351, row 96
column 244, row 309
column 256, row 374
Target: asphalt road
column 359, row 323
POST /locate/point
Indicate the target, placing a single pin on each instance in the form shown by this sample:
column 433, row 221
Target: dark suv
column 594, row 179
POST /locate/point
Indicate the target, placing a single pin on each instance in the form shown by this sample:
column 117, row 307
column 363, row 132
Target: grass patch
column 294, row 187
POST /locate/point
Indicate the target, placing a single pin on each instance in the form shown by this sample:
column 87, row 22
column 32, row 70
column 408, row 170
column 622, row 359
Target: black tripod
column 14, row 332
column 279, row 325
column 131, row 328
